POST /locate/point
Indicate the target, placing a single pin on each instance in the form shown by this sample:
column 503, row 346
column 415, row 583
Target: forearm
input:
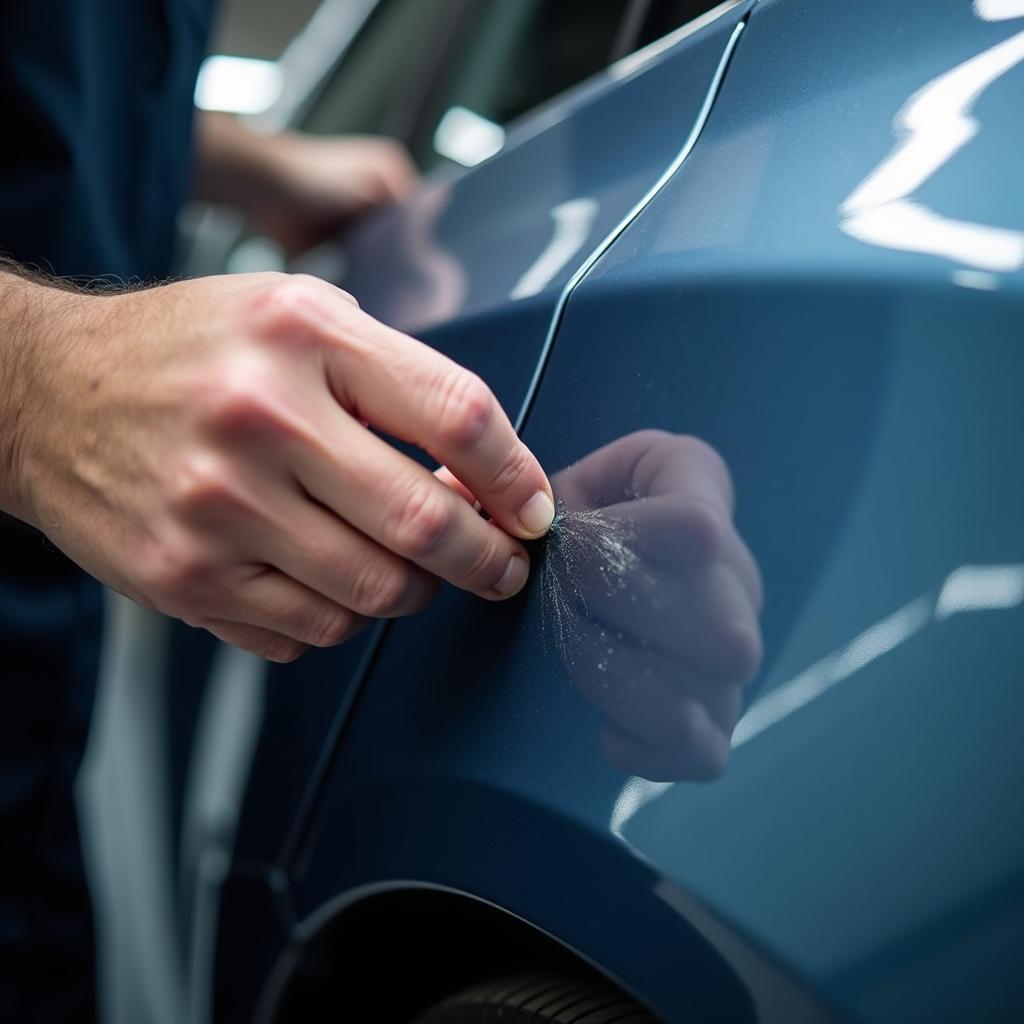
column 36, row 314
column 18, row 302
column 233, row 164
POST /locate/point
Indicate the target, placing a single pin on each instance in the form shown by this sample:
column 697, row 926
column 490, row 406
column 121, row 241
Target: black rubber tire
column 535, row 998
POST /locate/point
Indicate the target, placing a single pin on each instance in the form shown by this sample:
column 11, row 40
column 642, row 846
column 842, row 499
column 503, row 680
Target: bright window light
column 467, row 138
column 237, row 85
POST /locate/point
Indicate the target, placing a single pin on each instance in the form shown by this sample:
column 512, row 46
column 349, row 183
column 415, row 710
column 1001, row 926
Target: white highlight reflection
column 466, row 137
column 980, row 587
column 822, row 676
column 573, row 220
column 978, row 279
column 932, row 126
column 902, row 224
column 999, row 10
column 969, row 588
column 635, row 794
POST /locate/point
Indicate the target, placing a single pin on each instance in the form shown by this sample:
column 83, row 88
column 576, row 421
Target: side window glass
column 513, row 56
column 663, row 16
column 447, row 76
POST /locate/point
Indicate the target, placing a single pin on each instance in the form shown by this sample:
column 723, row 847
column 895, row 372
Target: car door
column 829, row 291
column 476, row 264
column 479, row 264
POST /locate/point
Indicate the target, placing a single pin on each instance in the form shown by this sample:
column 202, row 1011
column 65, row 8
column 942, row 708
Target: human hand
column 321, row 182
column 654, row 600
column 298, row 188
column 203, row 448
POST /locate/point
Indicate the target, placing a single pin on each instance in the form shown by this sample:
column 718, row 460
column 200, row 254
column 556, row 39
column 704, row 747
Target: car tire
column 535, row 998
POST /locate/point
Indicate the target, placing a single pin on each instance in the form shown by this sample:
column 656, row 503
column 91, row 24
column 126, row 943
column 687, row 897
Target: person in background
column 200, row 446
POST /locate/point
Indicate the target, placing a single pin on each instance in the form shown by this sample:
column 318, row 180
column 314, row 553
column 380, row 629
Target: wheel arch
column 442, row 939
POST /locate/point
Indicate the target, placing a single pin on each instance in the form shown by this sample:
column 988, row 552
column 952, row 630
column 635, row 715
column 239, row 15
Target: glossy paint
column 477, row 265
column 829, row 290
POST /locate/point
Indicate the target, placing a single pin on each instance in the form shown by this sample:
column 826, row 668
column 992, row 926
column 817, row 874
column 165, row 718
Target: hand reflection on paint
column 653, row 600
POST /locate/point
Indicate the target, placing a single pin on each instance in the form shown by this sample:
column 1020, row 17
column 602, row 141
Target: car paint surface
column 828, row 292
column 447, row 267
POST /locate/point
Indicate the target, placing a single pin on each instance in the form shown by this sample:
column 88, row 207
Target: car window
column 658, row 19
column 379, row 84
column 445, row 76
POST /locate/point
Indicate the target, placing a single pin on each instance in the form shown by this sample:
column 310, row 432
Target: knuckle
column 655, row 437
column 691, row 445
column 699, row 451
column 745, row 651
column 511, row 470
column 464, row 404
column 379, row 590
column 202, row 484
column 488, row 566
column 713, row 761
column 702, row 748
column 182, row 578
column 705, row 528
column 280, row 649
column 421, row 524
column 285, row 307
column 327, row 626
column 236, row 401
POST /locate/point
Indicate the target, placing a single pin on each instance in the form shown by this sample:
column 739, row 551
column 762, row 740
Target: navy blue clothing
column 95, row 155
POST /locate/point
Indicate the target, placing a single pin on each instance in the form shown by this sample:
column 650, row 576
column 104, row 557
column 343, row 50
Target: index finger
column 414, row 393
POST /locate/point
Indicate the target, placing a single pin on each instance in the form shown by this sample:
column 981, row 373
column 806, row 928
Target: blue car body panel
column 445, row 267
column 830, row 291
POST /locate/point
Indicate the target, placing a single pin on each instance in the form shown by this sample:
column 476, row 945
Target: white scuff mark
column 931, row 128
column 573, row 220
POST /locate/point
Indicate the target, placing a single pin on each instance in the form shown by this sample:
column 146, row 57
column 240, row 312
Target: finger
column 272, row 602
column 448, row 478
column 405, row 509
column 650, row 463
column 640, row 690
column 396, row 169
column 704, row 617
column 678, row 535
column 699, row 754
column 408, row 390
column 264, row 643
column 316, row 548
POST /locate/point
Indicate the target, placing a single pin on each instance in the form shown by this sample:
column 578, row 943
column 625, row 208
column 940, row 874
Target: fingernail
column 514, row 578
column 536, row 515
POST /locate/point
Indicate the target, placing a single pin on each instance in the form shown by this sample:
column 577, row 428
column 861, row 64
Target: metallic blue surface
column 829, row 292
column 445, row 266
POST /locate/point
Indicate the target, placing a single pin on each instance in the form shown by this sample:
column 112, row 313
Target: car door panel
column 862, row 383
column 846, row 335
column 446, row 266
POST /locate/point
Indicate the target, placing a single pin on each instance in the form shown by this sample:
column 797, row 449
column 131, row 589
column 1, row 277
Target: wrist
column 35, row 320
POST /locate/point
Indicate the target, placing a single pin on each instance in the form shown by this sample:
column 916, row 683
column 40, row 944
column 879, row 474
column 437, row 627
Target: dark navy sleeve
column 95, row 159
column 95, row 129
